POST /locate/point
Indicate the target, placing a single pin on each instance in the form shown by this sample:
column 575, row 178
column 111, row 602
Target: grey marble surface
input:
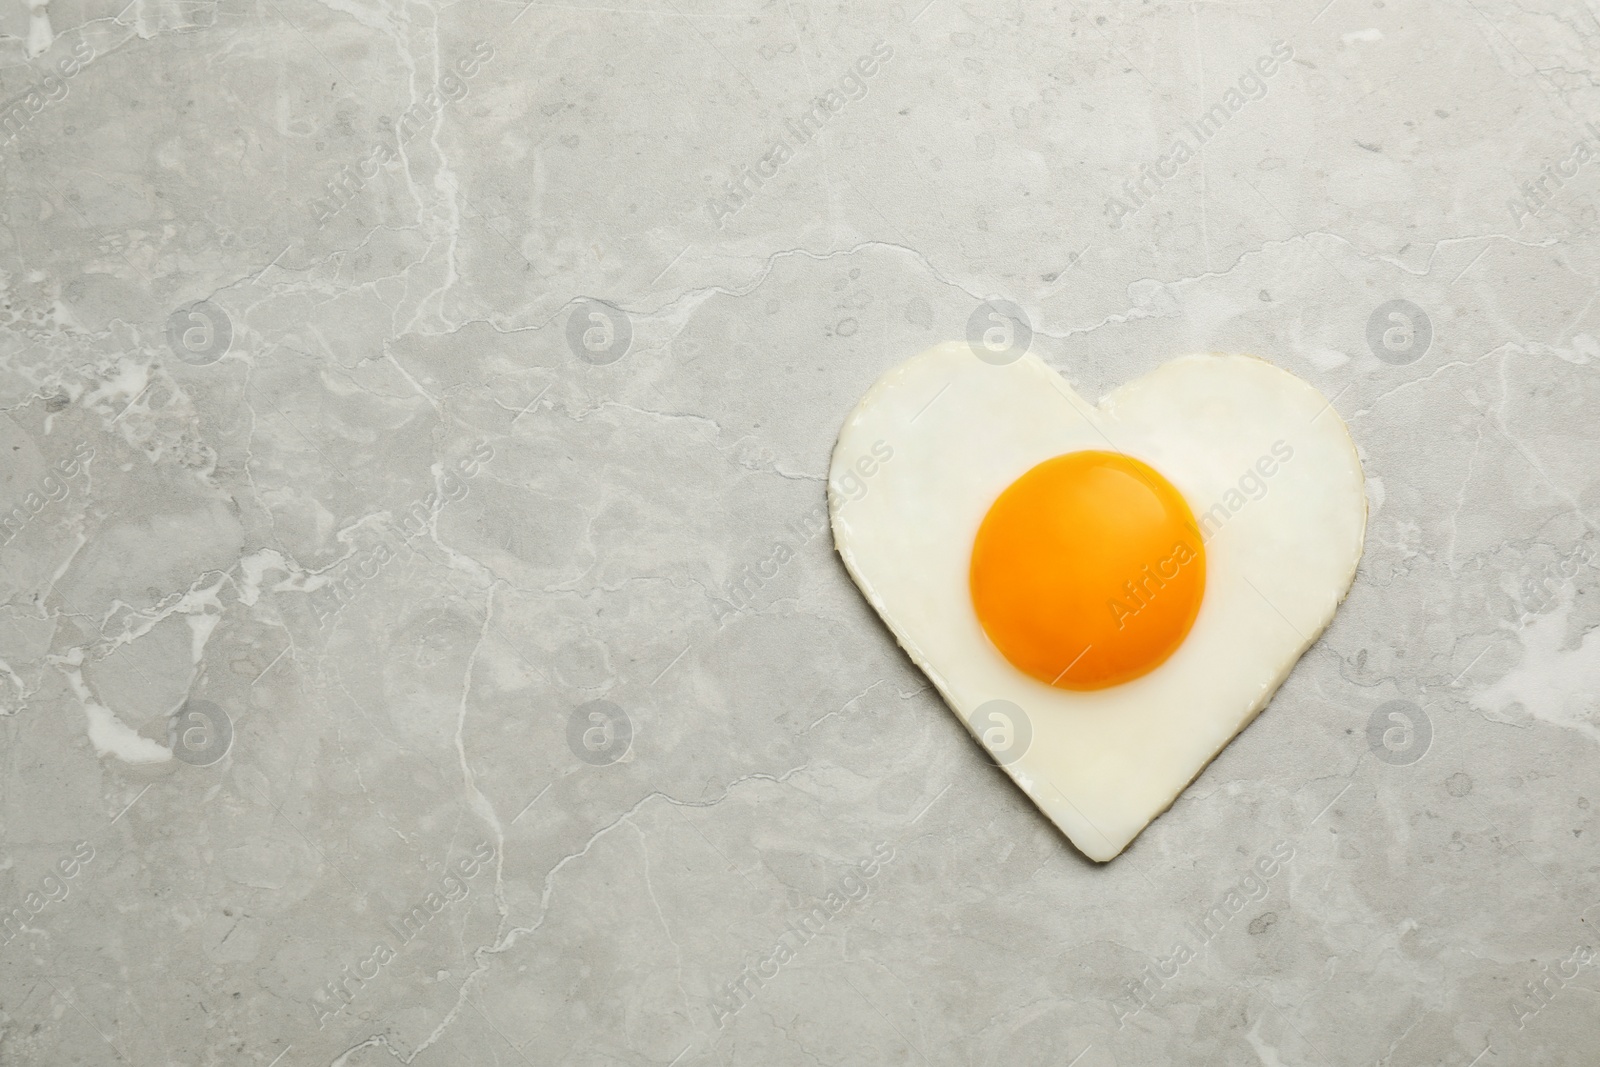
column 375, row 683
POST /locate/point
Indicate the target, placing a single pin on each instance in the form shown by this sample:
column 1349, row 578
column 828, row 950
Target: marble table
column 422, row 638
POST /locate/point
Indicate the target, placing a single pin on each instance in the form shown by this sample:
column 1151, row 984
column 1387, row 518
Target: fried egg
column 1105, row 594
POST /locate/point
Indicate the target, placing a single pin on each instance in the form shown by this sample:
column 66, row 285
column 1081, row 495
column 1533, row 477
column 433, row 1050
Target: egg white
column 1102, row 764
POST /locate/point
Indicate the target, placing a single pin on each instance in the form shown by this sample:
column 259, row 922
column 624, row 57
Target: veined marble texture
column 422, row 642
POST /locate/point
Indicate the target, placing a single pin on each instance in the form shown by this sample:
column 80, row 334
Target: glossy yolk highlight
column 1088, row 570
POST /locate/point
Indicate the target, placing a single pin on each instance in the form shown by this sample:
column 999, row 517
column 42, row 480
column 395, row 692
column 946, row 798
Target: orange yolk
column 1088, row 570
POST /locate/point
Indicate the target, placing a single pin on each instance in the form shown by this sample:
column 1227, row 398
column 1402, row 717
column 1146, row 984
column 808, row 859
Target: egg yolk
column 1088, row 570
